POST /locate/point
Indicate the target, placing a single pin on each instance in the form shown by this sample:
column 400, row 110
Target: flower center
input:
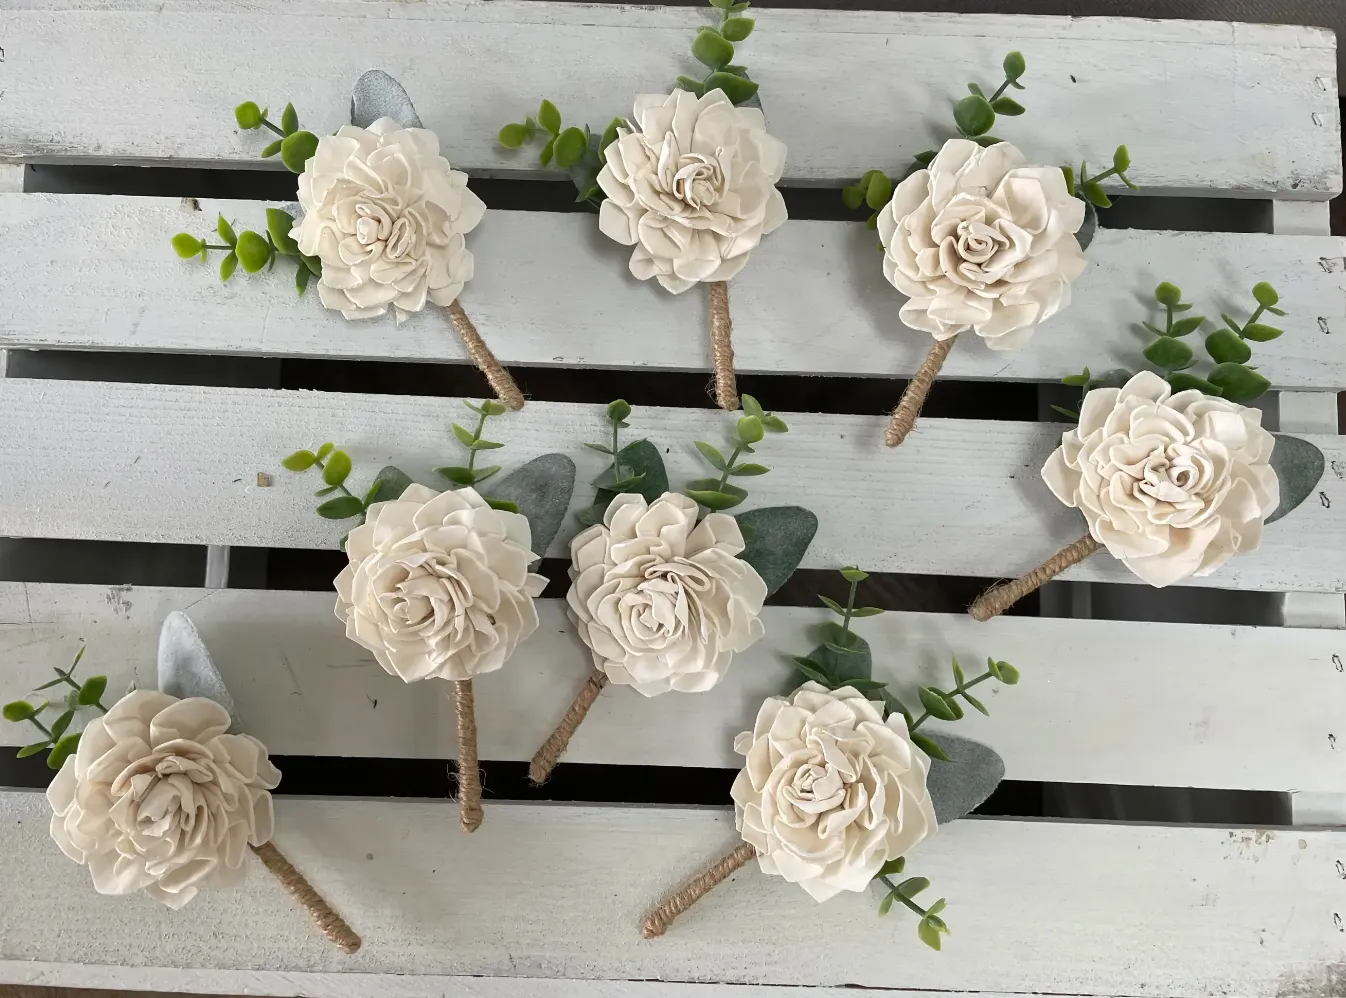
column 377, row 230
column 977, row 242
column 1177, row 478
column 695, row 179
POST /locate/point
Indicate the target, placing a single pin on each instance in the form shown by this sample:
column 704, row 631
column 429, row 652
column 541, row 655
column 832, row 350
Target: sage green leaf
column 297, row 149
column 737, row 28
column 879, row 191
column 480, row 475
column 892, row 868
column 774, row 423
column 610, row 133
column 928, row 933
column 832, row 605
column 776, row 539
column 712, row 455
column 714, row 500
column 738, row 89
column 1098, row 197
column 812, row 670
column 750, row 429
column 1167, row 293
column 865, row 685
column 609, row 482
column 930, row 747
column 338, row 467
column 691, row 85
column 1089, row 228
column 341, row 508
column 226, row 231
column 18, row 710
column 751, row 407
column 1224, row 346
column 271, row 149
column 325, row 449
column 389, row 485
column 1007, row 106
column 513, row 135
column 958, row 678
column 549, row 118
column 464, row 435
column 187, row 245
column 278, row 224
column 601, row 448
column 62, row 750
column 935, row 704
column 92, row 691
column 973, row 115
column 570, row 147
column 1188, row 325
column 1170, row 354
column 300, row 460
column 545, row 153
column 1070, row 414
column 1180, row 382
column 55, row 682
column 457, row 475
column 493, row 408
column 712, row 49
column 541, row 489
column 1265, row 295
column 842, row 665
column 480, row 444
column 503, row 504
column 1014, row 65
column 937, row 907
column 253, row 251
column 1121, row 159
column 228, row 265
column 852, row 196
column 853, row 574
column 912, row 886
column 618, row 410
column 1231, row 323
column 1299, row 465
column 302, row 276
column 1003, row 672
column 32, row 749
column 638, row 458
column 887, row 903
column 866, row 611
column 248, row 115
column 975, row 702
column 1238, row 383
column 748, row 470
column 59, row 725
column 326, row 490
column 289, row 120
column 1260, row 332
column 975, row 88
column 936, row 922
column 314, row 264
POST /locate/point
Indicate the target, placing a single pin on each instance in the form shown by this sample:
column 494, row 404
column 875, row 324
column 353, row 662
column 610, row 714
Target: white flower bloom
column 980, row 241
column 830, row 791
column 663, row 602
column 387, row 217
column 692, row 188
column 438, row 584
column 1173, row 485
column 159, row 798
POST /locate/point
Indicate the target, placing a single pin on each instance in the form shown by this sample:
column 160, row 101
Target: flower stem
column 273, row 128
column 476, row 435
column 616, row 462
column 738, row 449
column 902, row 897
column 850, row 609
column 953, row 693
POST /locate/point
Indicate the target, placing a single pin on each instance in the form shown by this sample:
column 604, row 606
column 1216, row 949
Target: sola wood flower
column 438, row 586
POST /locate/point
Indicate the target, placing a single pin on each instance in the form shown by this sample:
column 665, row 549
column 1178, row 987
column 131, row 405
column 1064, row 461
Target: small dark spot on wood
column 375, row 703
column 1072, row 78
column 1323, row 327
column 1336, row 920
column 1339, row 469
column 191, row 204
column 1329, row 264
column 1332, row 741
column 1322, row 498
column 1341, row 870
column 369, row 855
column 1337, row 663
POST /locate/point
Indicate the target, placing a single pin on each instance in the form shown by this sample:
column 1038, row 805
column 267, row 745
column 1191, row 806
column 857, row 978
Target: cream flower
column 663, row 602
column 1172, row 486
column 980, row 241
column 692, row 187
column 387, row 217
column 830, row 791
column 438, row 584
column 159, row 798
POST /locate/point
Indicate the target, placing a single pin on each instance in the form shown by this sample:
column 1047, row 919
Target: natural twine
column 903, row 420
column 501, row 382
column 545, row 759
column 722, row 347
column 658, row 920
column 998, row 599
column 333, row 926
column 469, row 771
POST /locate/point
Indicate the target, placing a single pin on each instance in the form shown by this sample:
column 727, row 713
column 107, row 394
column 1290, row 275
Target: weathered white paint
column 560, row 891
column 551, row 291
column 11, row 177
column 1219, row 108
column 304, row 689
column 963, row 497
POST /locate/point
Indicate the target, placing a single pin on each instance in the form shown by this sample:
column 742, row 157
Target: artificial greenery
column 721, row 494
column 57, row 738
column 252, row 250
column 1230, row 377
column 294, row 146
column 1089, row 188
column 475, row 443
column 713, row 47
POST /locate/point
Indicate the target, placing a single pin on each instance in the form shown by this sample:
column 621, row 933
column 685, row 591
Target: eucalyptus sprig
column 335, row 466
column 57, row 737
column 943, row 705
column 295, row 146
column 469, row 474
column 931, row 926
column 574, row 148
column 1089, row 189
column 720, row 494
column 253, row 250
column 713, row 47
column 616, row 478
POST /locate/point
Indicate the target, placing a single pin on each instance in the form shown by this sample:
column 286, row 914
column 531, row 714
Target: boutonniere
column 666, row 587
column 1174, row 475
column 978, row 238
column 689, row 180
column 161, row 793
column 439, row 583
column 839, row 785
column 381, row 222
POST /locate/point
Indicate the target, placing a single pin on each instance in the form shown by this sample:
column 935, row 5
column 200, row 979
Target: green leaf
column 59, row 725
column 937, row 907
column 973, row 115
column 934, row 703
column 1260, row 332
column 843, row 664
column 1181, row 382
column 1299, row 465
column 1169, row 354
column 248, row 115
column 481, row 444
column 1231, row 323
column 1224, row 346
column 737, row 28
column 62, row 750
column 278, row 224
column 1069, row 173
column 913, row 886
column 750, row 405
column 1007, row 106
column 1238, row 383
column 1077, row 380
column 712, row 455
column 570, row 147
column 300, row 460
column 865, row 685
column 1070, row 414
column 302, row 276
column 481, row 474
column 55, row 682
column 289, row 120
column 337, row 469
column 930, row 747
column 852, row 574
column 866, row 611
column 712, row 49
column 270, row 150
column 541, row 489
column 226, row 231
column 1121, row 159
column 928, row 933
column 936, row 922
column 464, row 435
column 713, row 500
column 958, row 677
column 1014, row 65
column 776, row 539
column 601, row 448
column 314, row 265
column 977, row 704
column 832, row 605
column 1276, row 311
column 737, row 88
column 748, row 470
column 879, row 191
column 92, row 690
column 925, row 158
column 228, row 265
column 892, row 868
column 1168, row 294
column 187, row 245
column 887, row 903
column 549, row 118
column 610, row 134
column 457, row 475
column 609, row 482
column 852, row 197
column 1189, row 325
column 298, row 149
column 253, row 251
column 975, row 88
column 618, row 410
column 812, row 670
column 19, row 710
column 341, row 508
column 32, row 749
column 750, row 429
column 389, row 485
column 326, row 490
column 545, row 153
column 1003, row 672
column 691, row 85
column 502, row 504
column 720, row 4
column 1265, row 295
column 774, row 423
column 1095, row 194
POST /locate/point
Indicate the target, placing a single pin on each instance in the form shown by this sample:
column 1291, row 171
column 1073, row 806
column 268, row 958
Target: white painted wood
column 11, row 177
column 217, row 567
column 97, row 273
column 560, row 891
column 304, row 689
column 1218, row 108
column 179, row 464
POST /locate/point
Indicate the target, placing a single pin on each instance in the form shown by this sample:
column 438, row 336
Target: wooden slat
column 97, row 273
column 1212, row 107
column 560, row 891
column 305, row 690
column 963, row 497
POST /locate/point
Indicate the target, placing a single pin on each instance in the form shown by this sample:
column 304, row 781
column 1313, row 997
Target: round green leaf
column 1007, row 106
column 1003, row 672
column 226, row 231
column 618, row 410
column 337, row 469
column 1168, row 294
column 1299, row 466
column 228, row 265
column 852, row 196
column 248, row 115
column 712, row 49
column 92, row 690
column 913, row 886
column 1121, row 159
column 973, row 115
column 775, row 541
column 737, row 28
column 1265, row 295
column 186, row 245
column 880, row 190
column 570, row 147
column 1169, row 354
column 271, row 149
column 341, row 508
column 62, row 750
column 254, row 252
column 1014, row 65
column 289, row 120
column 279, row 224
column 1181, row 382
column 750, row 429
column 934, row 703
column 19, row 710
column 548, row 117
column 1224, row 346
column 713, row 500
column 297, row 149
column 300, row 460
column 512, row 135
column 1238, row 383
column 737, row 88
column 1260, row 332
column 610, row 133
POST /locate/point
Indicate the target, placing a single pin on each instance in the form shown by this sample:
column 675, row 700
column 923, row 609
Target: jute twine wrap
column 500, row 380
column 903, row 420
column 333, row 926
column 545, row 759
column 658, row 920
column 998, row 599
column 722, row 347
column 469, row 770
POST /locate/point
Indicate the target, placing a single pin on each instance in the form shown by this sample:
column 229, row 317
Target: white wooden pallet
column 546, row 900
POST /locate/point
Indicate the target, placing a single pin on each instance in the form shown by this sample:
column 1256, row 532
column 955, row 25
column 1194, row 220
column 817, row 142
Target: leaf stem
column 41, row 727
column 738, row 449
column 213, row 246
column 1003, row 87
column 342, row 486
column 273, row 128
column 961, row 687
column 476, row 435
column 616, row 463
column 903, row 898
column 850, row 609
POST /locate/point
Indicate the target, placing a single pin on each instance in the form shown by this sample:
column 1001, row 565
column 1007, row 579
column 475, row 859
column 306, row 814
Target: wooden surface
column 98, row 273
column 1225, row 109
column 962, row 497
column 1177, row 715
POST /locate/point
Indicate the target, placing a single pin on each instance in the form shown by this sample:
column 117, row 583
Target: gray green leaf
column 1299, row 466
column 776, row 539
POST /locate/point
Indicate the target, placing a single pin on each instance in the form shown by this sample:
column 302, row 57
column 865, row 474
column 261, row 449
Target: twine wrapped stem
column 469, row 770
column 500, row 380
column 998, row 599
column 722, row 347
column 903, row 419
column 333, row 926
column 545, row 759
column 658, row 920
